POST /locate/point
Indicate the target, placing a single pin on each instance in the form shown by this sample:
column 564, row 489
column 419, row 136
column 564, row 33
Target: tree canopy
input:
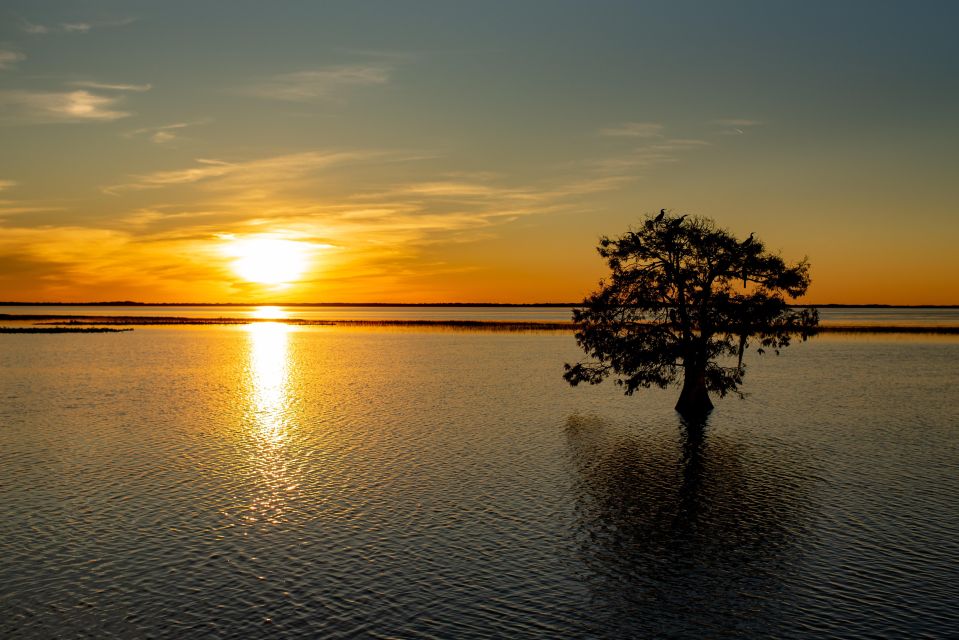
column 686, row 297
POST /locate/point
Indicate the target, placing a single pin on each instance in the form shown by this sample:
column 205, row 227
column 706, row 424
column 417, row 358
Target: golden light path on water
column 271, row 419
column 269, row 313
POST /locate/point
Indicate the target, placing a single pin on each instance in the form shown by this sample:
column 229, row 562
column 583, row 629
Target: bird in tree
column 672, row 310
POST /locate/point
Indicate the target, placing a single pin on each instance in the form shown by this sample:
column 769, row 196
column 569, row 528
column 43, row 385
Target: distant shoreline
column 65, row 323
column 61, row 329
column 130, row 303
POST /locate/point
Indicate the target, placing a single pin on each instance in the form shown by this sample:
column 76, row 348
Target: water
column 931, row 316
column 267, row 480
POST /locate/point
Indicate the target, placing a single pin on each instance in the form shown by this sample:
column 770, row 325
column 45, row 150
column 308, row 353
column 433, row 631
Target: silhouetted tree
column 684, row 295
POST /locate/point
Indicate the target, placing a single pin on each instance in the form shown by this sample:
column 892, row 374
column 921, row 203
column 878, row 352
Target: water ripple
column 265, row 481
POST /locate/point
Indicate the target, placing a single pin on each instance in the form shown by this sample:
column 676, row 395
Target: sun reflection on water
column 269, row 313
column 270, row 410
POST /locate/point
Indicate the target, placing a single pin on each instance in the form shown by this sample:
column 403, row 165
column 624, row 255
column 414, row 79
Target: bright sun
column 269, row 260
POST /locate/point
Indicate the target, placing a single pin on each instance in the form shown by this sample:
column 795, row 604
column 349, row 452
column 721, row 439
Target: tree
column 686, row 296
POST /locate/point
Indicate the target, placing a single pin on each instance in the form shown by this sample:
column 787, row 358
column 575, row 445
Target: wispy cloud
column 377, row 235
column 72, row 27
column 635, row 130
column 677, row 144
column 319, row 84
column 59, row 106
column 650, row 147
column 658, row 151
column 735, row 126
column 14, row 208
column 163, row 134
column 449, row 188
column 108, row 86
column 34, row 29
column 738, row 122
column 252, row 174
column 9, row 58
column 158, row 179
column 7, row 184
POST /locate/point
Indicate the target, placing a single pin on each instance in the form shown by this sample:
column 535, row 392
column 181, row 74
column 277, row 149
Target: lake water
column 272, row 480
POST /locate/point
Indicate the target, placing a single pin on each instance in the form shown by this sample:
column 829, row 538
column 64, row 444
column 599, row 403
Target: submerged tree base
column 694, row 406
column 694, row 399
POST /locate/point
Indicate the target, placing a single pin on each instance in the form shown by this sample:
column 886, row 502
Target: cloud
column 677, row 144
column 380, row 233
column 162, row 137
column 6, row 184
column 655, row 150
column 34, row 29
column 58, row 106
column 735, row 126
column 158, row 179
column 447, row 188
column 72, row 27
column 106, row 86
column 321, row 84
column 58, row 262
column 635, row 130
column 9, row 59
column 163, row 134
column 10, row 208
column 737, row 122
column 264, row 173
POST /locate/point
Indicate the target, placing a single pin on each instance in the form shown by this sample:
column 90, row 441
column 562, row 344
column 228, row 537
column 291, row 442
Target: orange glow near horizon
column 270, row 312
column 341, row 163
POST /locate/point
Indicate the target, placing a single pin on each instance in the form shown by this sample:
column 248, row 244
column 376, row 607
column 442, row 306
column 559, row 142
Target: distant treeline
column 63, row 329
column 68, row 323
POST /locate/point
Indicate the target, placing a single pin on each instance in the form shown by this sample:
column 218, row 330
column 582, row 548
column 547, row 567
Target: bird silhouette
column 677, row 222
column 662, row 214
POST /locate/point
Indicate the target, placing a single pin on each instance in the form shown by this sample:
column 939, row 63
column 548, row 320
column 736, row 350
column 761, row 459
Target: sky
column 468, row 151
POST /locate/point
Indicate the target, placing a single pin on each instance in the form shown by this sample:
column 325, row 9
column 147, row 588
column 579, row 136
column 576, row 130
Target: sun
column 266, row 260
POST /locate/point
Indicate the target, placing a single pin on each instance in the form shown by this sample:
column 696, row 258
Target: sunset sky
column 452, row 151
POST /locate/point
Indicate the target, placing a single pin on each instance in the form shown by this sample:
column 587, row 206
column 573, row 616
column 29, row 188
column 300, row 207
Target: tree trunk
column 694, row 398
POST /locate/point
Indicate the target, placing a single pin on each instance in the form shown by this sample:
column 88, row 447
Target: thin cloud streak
column 163, row 134
column 40, row 107
column 737, row 122
column 736, row 126
column 33, row 29
column 9, row 59
column 81, row 27
column 320, row 84
column 657, row 149
column 635, row 130
column 251, row 173
column 107, row 86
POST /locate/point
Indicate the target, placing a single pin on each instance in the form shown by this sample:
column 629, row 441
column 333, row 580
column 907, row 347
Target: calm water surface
column 266, row 480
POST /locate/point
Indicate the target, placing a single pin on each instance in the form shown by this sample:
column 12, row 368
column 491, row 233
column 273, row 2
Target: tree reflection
column 684, row 534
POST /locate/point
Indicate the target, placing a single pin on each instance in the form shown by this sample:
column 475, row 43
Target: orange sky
column 465, row 153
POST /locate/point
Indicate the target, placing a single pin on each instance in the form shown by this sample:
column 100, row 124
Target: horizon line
column 133, row 303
